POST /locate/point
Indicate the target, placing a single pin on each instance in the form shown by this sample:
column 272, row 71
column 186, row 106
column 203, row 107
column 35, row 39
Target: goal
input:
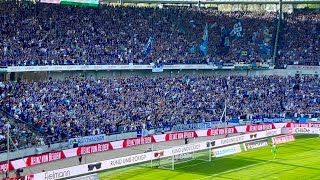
column 179, row 160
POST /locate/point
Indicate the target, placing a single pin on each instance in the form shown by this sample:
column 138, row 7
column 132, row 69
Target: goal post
column 180, row 160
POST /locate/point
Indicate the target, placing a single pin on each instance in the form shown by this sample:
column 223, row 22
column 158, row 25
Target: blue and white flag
column 237, row 30
column 148, row 47
column 204, row 45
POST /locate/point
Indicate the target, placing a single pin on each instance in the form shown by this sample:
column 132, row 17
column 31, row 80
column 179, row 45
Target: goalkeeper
column 274, row 150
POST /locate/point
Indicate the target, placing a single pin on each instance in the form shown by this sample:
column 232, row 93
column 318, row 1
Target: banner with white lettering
column 138, row 141
column 260, row 127
column 255, row 144
column 221, row 131
column 94, row 148
column 312, row 125
column 45, row 157
column 88, row 140
column 180, row 135
column 283, row 139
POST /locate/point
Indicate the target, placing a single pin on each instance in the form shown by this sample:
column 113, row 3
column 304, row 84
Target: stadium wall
column 41, row 76
column 148, row 156
column 107, row 146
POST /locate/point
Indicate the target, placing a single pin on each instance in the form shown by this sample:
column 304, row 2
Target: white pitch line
column 237, row 169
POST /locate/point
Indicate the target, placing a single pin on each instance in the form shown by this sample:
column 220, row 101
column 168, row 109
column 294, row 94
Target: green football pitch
column 295, row 160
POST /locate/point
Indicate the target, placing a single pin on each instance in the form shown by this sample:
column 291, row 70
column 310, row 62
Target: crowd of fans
column 301, row 40
column 61, row 109
column 46, row 34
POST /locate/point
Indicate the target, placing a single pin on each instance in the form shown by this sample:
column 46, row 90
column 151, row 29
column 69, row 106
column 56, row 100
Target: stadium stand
column 43, row 34
column 62, row 109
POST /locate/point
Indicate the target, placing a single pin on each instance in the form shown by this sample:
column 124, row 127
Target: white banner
column 226, row 150
column 185, row 149
column 306, row 130
column 124, row 161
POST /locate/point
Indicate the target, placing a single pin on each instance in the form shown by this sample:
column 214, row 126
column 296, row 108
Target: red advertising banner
column 28, row 177
column 45, row 157
column 94, row 148
column 283, row 139
column 293, row 125
column 260, row 127
column 180, row 135
column 221, row 131
column 4, row 166
column 138, row 141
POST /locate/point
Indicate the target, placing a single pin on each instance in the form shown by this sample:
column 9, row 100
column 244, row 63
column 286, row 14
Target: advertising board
column 226, row 150
column 255, row 144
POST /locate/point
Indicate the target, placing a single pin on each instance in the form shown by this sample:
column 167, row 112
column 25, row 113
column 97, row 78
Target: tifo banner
column 221, row 131
column 226, row 151
column 313, row 125
column 89, row 149
column 260, row 127
column 181, row 135
column 305, row 130
column 45, row 157
column 283, row 139
column 138, row 141
column 88, row 140
column 256, row 144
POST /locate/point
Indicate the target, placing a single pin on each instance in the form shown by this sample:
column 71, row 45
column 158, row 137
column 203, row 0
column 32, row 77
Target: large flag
column 148, row 47
column 204, row 45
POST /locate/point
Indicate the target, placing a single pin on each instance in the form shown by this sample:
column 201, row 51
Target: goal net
column 180, row 160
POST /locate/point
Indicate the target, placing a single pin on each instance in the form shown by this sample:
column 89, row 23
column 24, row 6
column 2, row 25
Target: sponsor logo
column 302, row 130
column 185, row 149
column 56, row 175
column 93, row 148
column 211, row 144
column 128, row 160
column 180, row 135
column 221, row 131
column 138, row 141
column 226, row 150
column 283, row 139
column 183, row 156
column 271, row 132
column 232, row 140
column 253, row 136
column 43, row 158
column 88, row 140
column 254, row 145
column 158, row 154
column 92, row 166
column 259, row 127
